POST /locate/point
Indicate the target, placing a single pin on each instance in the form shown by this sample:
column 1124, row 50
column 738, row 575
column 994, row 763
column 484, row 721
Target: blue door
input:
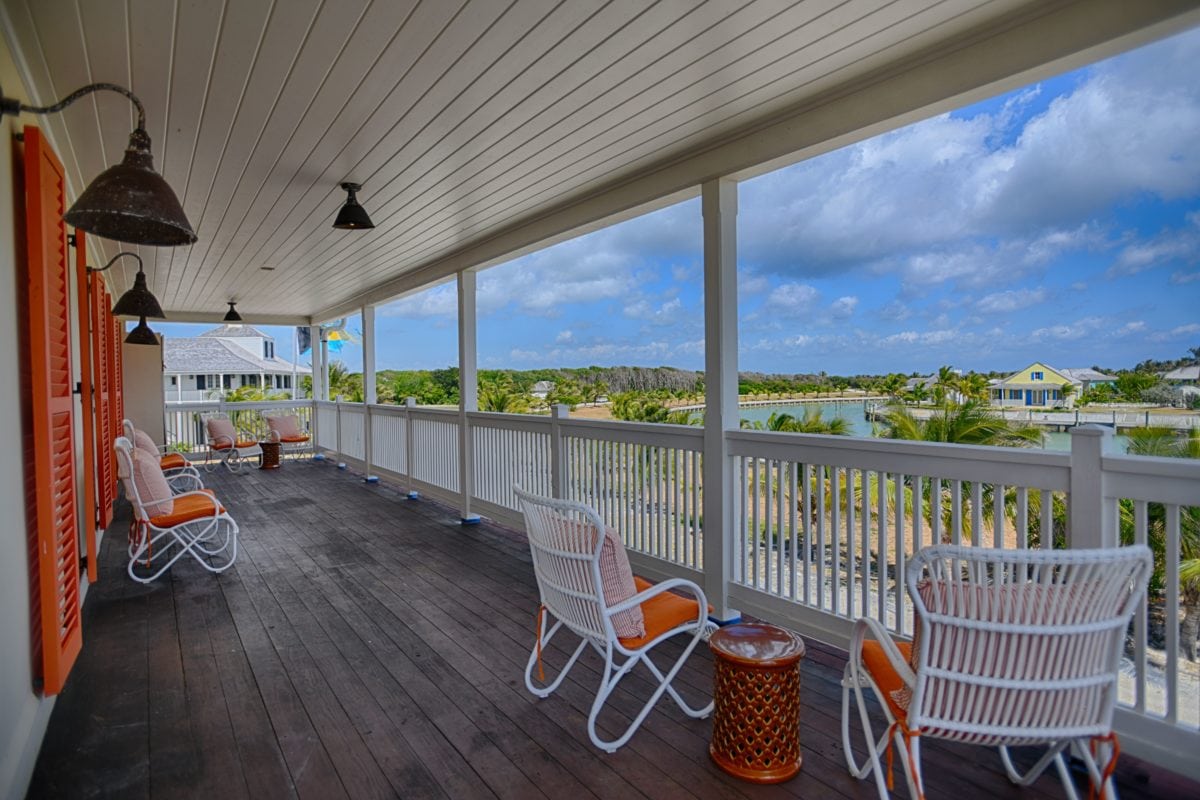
column 1029, row 397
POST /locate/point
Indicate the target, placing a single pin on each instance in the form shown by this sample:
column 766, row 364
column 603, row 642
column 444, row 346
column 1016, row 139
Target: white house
column 223, row 359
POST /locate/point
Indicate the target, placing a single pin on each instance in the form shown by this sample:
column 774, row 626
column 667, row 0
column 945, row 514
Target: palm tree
column 966, row 423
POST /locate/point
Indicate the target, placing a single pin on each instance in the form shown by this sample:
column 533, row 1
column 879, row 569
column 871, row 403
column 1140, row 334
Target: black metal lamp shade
column 232, row 315
column 142, row 334
column 138, row 301
column 130, row 202
column 352, row 216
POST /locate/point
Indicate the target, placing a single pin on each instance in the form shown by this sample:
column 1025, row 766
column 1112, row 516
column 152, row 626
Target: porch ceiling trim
column 250, row 319
column 1034, row 43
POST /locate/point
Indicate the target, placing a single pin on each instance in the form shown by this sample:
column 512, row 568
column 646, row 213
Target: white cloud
column 790, row 299
column 1069, row 332
column 564, row 337
column 1012, row 300
column 1180, row 278
column 843, row 306
column 1130, row 328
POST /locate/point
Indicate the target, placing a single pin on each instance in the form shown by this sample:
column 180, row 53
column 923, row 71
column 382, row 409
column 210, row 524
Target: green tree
column 966, row 423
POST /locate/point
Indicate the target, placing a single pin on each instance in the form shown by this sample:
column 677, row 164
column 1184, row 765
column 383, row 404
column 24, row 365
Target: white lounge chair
column 288, row 431
column 227, row 445
column 180, row 473
column 566, row 541
column 168, row 526
column 1012, row 647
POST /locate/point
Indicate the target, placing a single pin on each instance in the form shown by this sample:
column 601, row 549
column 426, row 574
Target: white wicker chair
column 1014, row 647
column 565, row 540
column 289, row 444
column 199, row 526
column 234, row 451
column 181, row 475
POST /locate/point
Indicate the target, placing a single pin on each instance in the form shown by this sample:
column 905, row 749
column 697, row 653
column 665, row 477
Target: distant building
column 224, row 359
column 541, row 389
column 1042, row 385
column 929, row 382
column 1184, row 376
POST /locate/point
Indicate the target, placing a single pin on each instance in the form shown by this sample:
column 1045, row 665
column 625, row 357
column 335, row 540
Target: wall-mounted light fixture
column 128, row 202
column 352, row 216
column 232, row 315
column 137, row 302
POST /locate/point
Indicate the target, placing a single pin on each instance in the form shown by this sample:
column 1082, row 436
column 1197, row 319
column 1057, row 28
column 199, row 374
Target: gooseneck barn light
column 128, row 202
column 232, row 315
column 137, row 302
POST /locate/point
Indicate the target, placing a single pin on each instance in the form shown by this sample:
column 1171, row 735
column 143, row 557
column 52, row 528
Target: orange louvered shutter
column 83, row 288
column 113, row 346
column 49, row 342
column 105, row 471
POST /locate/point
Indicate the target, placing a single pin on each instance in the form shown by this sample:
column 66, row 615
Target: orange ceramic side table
column 756, row 721
column 270, row 455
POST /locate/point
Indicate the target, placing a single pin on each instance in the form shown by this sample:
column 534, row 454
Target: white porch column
column 719, row 204
column 314, row 333
column 1093, row 520
column 468, row 393
column 370, row 397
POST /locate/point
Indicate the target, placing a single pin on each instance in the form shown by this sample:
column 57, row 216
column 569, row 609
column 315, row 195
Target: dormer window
column 1037, row 376
column 268, row 349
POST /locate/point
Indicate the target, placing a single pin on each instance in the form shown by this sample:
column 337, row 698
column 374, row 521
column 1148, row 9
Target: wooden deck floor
column 366, row 645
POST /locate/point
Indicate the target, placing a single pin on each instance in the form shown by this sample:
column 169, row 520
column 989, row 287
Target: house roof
column 1010, row 380
column 1184, row 374
column 1080, row 374
column 235, row 331
column 212, row 355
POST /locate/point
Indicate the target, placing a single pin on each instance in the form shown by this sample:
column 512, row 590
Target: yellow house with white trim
column 1036, row 385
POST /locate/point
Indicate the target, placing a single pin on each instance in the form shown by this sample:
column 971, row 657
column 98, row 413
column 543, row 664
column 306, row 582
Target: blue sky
column 1059, row 222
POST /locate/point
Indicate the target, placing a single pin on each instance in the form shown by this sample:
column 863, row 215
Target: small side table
column 270, row 455
column 756, row 721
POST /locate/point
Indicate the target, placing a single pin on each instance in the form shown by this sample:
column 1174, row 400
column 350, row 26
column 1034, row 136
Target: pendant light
column 137, row 302
column 232, row 315
column 352, row 216
column 128, row 202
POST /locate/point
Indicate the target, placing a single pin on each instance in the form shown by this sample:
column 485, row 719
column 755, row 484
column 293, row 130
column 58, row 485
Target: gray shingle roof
column 1184, row 374
column 210, row 355
column 1085, row 374
column 234, row 331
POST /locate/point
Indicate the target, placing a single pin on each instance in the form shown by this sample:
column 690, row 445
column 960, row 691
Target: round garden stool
column 270, row 455
column 756, row 691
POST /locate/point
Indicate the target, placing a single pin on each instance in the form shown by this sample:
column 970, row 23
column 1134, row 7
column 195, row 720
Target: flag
column 303, row 340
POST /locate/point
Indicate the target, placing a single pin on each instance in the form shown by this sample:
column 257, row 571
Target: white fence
column 823, row 526
column 185, row 421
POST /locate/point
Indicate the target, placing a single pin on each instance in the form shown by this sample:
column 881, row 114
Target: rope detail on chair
column 891, row 741
column 1094, row 792
column 537, row 632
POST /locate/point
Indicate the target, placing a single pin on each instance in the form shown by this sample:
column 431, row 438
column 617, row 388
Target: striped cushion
column 286, row 426
column 220, row 431
column 151, row 484
column 616, row 578
column 142, row 441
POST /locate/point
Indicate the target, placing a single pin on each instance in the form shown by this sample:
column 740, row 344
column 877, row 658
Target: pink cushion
column 616, row 579
column 142, row 441
column 151, row 484
column 285, row 426
column 220, row 430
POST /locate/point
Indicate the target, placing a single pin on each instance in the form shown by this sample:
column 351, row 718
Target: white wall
column 143, row 385
column 23, row 713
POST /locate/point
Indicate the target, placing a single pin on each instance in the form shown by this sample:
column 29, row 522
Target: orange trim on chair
column 172, row 461
column 886, row 678
column 294, row 439
column 662, row 613
column 187, row 509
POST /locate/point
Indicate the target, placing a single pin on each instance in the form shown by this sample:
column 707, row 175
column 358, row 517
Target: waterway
column 854, row 412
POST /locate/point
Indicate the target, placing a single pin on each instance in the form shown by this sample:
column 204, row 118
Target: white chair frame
column 288, row 448
column 222, row 451
column 181, row 479
column 212, row 541
column 565, row 540
column 1068, row 661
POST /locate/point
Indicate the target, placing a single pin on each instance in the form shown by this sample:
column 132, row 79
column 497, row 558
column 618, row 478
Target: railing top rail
column 684, row 437
column 250, row 405
column 522, row 422
column 1162, row 480
column 1006, row 465
column 441, row 414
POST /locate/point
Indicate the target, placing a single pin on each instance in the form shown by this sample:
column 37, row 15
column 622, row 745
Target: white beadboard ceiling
column 463, row 119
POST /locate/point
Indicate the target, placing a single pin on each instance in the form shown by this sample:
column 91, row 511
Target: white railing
column 184, row 422
column 824, row 526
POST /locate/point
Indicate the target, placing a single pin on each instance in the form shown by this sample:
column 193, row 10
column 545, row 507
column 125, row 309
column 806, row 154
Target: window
column 268, row 349
column 174, row 380
column 200, row 382
column 1037, row 376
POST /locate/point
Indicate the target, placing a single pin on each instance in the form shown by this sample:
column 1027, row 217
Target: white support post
column 337, row 439
column 1093, row 521
column 719, row 204
column 314, row 332
column 558, row 464
column 468, row 394
column 370, row 396
column 409, row 404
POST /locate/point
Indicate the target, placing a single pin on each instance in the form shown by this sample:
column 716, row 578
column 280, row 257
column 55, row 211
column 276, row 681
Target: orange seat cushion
column 662, row 613
column 293, row 439
column 187, row 508
column 172, row 461
column 240, row 443
column 884, row 675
